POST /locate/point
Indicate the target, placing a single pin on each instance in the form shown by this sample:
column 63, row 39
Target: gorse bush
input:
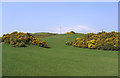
column 71, row 32
column 0, row 39
column 21, row 39
column 101, row 40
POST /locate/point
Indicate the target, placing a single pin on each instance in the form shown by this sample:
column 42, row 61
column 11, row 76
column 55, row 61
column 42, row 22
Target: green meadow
column 59, row 60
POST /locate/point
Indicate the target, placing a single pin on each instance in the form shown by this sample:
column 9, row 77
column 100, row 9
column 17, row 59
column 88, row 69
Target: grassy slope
column 60, row 60
column 0, row 60
column 42, row 34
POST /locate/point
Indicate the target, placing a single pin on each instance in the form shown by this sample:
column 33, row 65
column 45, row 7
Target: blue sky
column 82, row 17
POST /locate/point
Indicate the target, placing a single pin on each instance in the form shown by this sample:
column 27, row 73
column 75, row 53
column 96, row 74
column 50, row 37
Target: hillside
column 59, row 60
column 43, row 34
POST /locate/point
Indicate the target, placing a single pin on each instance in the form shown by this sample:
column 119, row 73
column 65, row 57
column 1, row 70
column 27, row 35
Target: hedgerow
column 21, row 39
column 101, row 40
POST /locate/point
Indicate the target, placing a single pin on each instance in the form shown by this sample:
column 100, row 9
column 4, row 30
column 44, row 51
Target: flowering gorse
column 101, row 40
column 71, row 32
column 22, row 40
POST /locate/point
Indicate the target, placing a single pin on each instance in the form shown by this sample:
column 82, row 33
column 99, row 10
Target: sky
column 59, row 17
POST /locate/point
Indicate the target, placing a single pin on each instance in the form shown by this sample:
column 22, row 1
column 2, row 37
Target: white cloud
column 64, row 29
column 78, row 29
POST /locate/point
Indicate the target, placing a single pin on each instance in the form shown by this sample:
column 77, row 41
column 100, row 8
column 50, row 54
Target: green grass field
column 59, row 60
